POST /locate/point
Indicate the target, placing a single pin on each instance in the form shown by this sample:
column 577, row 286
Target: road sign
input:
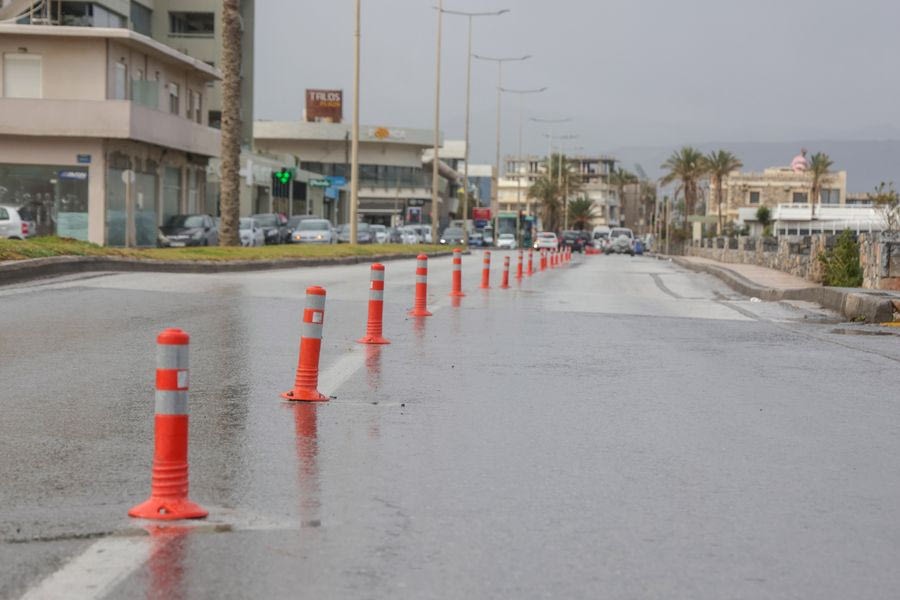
column 337, row 181
column 319, row 183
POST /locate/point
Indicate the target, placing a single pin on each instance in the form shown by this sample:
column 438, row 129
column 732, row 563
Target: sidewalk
column 873, row 306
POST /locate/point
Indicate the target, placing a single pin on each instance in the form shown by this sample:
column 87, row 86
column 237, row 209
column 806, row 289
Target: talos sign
column 325, row 105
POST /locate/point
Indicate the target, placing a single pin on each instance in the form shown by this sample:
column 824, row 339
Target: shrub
column 841, row 264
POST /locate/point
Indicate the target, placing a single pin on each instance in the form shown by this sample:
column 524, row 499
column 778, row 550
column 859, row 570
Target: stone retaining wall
column 879, row 255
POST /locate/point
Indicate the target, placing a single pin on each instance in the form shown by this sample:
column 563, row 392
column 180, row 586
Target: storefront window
column 55, row 198
column 145, row 209
column 115, row 207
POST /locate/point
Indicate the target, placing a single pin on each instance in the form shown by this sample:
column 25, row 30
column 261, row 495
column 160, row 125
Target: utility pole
column 354, row 145
column 470, row 16
column 521, row 94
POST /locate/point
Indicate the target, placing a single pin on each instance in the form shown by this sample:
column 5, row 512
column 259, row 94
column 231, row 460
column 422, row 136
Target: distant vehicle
column 452, row 236
column 395, row 236
column 251, row 234
column 507, row 240
column 188, row 230
column 424, row 233
column 621, row 241
column 314, row 231
column 29, row 220
column 408, row 235
column 363, row 233
column 488, row 234
column 381, row 234
column 638, row 246
column 476, row 240
column 11, row 224
column 294, row 222
column 572, row 239
column 274, row 226
column 545, row 240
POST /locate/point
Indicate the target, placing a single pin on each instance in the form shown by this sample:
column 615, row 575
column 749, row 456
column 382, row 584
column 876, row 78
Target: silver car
column 314, row 231
column 11, row 224
column 251, row 233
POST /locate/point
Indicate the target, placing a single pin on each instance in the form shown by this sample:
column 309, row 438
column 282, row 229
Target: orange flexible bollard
column 505, row 284
column 530, row 271
column 519, row 265
column 374, row 334
column 169, row 488
column 306, row 381
column 486, row 271
column 420, row 307
column 543, row 260
column 456, row 275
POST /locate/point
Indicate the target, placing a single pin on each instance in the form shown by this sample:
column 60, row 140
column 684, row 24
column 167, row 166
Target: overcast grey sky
column 628, row 72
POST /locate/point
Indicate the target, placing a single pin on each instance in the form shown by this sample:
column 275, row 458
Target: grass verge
column 43, row 247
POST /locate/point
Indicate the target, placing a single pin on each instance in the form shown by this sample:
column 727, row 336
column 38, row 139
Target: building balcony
column 114, row 119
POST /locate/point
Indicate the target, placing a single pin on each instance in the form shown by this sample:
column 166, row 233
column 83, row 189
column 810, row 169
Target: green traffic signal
column 283, row 175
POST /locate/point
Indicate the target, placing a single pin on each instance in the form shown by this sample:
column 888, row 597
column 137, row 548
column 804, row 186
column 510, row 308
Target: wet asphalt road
column 617, row 428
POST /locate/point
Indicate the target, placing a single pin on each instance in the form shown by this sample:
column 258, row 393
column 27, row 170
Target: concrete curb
column 39, row 268
column 853, row 304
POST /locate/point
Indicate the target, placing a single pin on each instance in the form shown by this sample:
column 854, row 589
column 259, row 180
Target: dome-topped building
column 800, row 164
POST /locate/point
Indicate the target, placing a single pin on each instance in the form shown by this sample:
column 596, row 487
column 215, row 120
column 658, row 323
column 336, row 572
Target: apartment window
column 192, row 24
column 120, row 77
column 215, row 119
column 800, row 198
column 830, row 196
column 174, row 107
column 196, row 102
column 754, row 197
column 141, row 18
column 22, row 76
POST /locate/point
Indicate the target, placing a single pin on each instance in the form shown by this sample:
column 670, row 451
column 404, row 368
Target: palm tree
column 581, row 213
column 619, row 178
column 719, row 165
column 229, row 201
column 687, row 166
column 819, row 164
column 546, row 192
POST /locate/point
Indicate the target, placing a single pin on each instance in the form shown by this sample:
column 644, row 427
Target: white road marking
column 96, row 571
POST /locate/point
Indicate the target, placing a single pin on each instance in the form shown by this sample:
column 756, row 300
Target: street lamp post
column 354, row 147
column 521, row 94
column 470, row 16
column 437, row 126
column 495, row 201
column 559, row 180
column 550, row 122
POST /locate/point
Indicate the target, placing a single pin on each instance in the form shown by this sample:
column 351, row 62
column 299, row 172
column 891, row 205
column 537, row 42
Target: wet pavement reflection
column 166, row 564
column 307, row 448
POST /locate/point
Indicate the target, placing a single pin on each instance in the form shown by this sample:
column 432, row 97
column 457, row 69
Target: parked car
column 452, row 236
column 621, row 241
column 507, row 240
column 274, row 226
column 424, row 233
column 380, row 233
column 363, row 233
column 11, row 224
column 251, row 234
column 546, row 240
column 408, row 235
column 314, row 231
column 572, row 239
column 395, row 236
column 188, row 230
column 26, row 213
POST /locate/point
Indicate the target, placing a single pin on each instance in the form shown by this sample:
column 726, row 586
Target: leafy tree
column 581, row 213
column 764, row 216
column 887, row 201
column 819, row 166
column 619, row 178
column 546, row 192
column 719, row 165
column 687, row 166
column 842, row 268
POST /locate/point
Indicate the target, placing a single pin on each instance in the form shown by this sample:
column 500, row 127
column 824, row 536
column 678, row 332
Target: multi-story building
column 102, row 129
column 591, row 173
column 394, row 172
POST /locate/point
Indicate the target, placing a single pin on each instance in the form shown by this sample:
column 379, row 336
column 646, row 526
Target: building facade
column 102, row 131
column 394, row 173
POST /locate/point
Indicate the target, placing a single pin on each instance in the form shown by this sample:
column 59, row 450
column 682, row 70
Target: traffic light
column 284, row 175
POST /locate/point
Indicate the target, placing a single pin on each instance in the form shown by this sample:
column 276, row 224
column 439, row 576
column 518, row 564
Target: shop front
column 53, row 197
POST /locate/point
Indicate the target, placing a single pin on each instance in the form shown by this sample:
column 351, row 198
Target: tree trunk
column 719, row 202
column 229, row 206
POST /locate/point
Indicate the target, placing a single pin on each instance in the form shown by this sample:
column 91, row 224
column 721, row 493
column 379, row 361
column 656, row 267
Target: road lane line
column 96, row 571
